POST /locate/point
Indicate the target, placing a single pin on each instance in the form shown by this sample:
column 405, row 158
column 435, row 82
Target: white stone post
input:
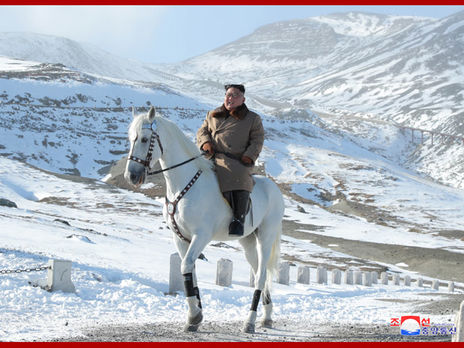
column 224, row 272
column 451, row 287
column 336, row 276
column 420, row 283
column 396, row 279
column 384, row 278
column 59, row 276
column 358, row 277
column 374, row 277
column 284, row 273
column 303, row 275
column 407, row 280
column 348, row 279
column 321, row 275
column 176, row 281
column 435, row 285
column 459, row 322
column 366, row 278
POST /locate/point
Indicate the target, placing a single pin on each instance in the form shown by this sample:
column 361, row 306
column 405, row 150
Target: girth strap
column 171, row 207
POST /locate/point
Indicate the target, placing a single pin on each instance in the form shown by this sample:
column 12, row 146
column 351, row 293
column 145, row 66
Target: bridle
column 146, row 162
column 171, row 207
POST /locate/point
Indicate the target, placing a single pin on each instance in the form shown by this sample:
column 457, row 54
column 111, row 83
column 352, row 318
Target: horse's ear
column 151, row 114
column 133, row 111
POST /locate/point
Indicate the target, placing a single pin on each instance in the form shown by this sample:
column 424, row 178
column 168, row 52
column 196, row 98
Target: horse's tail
column 278, row 208
column 274, row 258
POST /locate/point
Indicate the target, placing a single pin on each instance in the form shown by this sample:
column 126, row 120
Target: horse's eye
column 144, row 140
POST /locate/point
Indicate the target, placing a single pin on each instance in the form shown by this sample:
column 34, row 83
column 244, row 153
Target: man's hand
column 247, row 160
column 208, row 147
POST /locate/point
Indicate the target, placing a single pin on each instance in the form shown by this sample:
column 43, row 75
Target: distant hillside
column 404, row 71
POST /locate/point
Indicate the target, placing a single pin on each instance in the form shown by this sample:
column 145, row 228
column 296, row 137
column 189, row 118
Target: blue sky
column 172, row 33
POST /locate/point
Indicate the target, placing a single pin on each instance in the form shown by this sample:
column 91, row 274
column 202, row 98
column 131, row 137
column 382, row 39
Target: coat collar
column 239, row 113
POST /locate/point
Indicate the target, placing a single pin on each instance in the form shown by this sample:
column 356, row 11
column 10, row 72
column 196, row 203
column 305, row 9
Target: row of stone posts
column 348, row 277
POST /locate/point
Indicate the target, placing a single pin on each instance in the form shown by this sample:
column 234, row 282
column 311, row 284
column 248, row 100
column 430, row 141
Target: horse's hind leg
column 267, row 305
column 257, row 254
column 251, row 253
column 249, row 246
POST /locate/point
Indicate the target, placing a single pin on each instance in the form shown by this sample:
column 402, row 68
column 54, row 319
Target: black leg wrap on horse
column 266, row 298
column 188, row 285
column 197, row 294
column 255, row 302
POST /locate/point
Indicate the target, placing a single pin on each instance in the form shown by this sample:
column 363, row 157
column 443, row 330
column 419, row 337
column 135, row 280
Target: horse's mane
column 136, row 125
column 173, row 132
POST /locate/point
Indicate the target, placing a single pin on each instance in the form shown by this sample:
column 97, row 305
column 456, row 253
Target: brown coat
column 238, row 134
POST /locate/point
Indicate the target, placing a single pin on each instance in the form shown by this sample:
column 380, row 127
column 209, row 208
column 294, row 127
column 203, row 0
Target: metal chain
column 34, row 269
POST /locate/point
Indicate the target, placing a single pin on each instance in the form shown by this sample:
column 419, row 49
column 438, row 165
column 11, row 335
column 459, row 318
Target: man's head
column 235, row 96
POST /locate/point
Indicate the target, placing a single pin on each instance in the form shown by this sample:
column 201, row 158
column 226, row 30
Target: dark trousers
column 238, row 201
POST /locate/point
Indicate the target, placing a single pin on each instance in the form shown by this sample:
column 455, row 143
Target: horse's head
column 145, row 147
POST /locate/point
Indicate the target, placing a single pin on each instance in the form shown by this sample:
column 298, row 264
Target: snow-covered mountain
column 74, row 55
column 331, row 90
column 401, row 70
column 70, row 122
column 404, row 70
column 394, row 68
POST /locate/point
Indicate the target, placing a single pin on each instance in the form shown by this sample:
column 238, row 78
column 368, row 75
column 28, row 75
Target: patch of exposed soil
column 283, row 331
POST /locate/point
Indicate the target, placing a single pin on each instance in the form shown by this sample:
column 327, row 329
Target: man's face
column 233, row 99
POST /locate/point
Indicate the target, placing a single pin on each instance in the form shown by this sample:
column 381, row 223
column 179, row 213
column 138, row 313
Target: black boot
column 239, row 206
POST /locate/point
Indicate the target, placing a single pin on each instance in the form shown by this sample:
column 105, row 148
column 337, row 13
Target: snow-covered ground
column 62, row 119
column 120, row 249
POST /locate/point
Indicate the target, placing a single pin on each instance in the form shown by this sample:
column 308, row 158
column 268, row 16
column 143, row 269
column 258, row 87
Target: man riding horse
column 234, row 135
column 155, row 139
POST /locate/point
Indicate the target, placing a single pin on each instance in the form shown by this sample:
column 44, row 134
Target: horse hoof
column 193, row 323
column 191, row 328
column 249, row 328
column 267, row 323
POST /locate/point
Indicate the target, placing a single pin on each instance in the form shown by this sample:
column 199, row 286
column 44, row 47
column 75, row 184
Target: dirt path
column 284, row 331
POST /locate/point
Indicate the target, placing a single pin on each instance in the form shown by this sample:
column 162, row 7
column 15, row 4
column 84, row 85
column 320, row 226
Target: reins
column 176, row 165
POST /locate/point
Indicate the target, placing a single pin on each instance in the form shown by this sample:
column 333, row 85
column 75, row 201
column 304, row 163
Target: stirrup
column 236, row 228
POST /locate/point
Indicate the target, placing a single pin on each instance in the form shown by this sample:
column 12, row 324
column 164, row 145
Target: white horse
column 197, row 212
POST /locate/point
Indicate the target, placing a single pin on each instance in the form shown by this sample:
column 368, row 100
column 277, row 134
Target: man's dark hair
column 241, row 88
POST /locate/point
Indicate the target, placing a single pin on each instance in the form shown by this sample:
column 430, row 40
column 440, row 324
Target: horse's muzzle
column 135, row 177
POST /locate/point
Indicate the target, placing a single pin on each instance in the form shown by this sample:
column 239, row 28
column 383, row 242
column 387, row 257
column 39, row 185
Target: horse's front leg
column 195, row 314
column 192, row 292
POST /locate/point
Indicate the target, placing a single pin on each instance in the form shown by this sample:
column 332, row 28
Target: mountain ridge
column 410, row 77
